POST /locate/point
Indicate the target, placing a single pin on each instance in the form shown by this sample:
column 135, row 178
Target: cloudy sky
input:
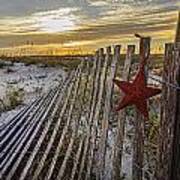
column 84, row 24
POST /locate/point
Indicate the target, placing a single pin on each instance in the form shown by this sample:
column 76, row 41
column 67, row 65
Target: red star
column 136, row 93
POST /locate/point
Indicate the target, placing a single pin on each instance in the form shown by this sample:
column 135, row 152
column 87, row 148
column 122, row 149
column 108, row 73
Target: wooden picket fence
column 73, row 132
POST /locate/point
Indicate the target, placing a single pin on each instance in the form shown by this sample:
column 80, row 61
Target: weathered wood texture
column 65, row 129
column 169, row 145
column 138, row 144
column 121, row 118
column 103, row 138
column 96, row 116
column 113, row 72
column 40, row 166
column 64, row 135
column 94, row 122
column 81, row 112
column 113, row 62
column 168, row 167
column 92, row 83
column 175, row 165
column 75, row 124
column 29, row 136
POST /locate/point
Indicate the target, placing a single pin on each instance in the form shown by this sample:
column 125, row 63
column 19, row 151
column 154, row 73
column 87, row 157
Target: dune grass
column 71, row 62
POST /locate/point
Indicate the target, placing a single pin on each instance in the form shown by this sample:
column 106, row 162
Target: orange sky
column 79, row 26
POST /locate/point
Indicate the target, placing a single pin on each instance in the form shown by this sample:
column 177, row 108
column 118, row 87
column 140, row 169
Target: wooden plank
column 41, row 139
column 7, row 160
column 51, row 141
column 35, row 130
column 100, row 100
column 76, row 161
column 99, row 84
column 92, row 80
column 65, row 129
column 128, row 62
column 76, row 123
column 113, row 72
column 122, row 117
column 164, row 148
column 83, row 107
column 41, row 117
column 175, row 166
column 17, row 135
column 26, row 118
column 69, row 149
column 105, row 122
column 169, row 146
column 138, row 145
column 175, row 163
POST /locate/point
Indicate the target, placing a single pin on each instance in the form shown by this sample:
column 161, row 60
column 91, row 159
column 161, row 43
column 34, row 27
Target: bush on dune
column 14, row 97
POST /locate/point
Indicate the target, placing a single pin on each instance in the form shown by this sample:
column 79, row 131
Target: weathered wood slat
column 115, row 161
column 28, row 143
column 94, row 73
column 50, row 143
column 20, row 124
column 65, row 129
column 35, row 130
column 68, row 151
column 122, row 117
column 7, row 144
column 75, row 125
column 82, row 112
column 175, row 164
column 22, row 116
column 8, row 155
column 105, row 120
column 21, row 145
column 96, row 107
column 44, row 132
column 76, row 161
column 164, row 136
column 169, row 148
column 73, row 116
column 138, row 144
column 11, row 143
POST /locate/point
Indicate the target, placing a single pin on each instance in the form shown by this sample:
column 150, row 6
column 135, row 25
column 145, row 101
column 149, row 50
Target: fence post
column 105, row 122
column 169, row 145
column 128, row 62
column 176, row 143
column 138, row 144
column 91, row 104
column 122, row 116
column 95, row 111
column 116, row 59
column 113, row 63
column 163, row 150
column 175, row 165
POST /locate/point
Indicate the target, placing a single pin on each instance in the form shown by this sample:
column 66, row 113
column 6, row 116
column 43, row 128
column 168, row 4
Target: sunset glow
column 59, row 27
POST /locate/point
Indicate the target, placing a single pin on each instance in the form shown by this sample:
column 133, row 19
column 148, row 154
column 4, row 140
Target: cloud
column 59, row 20
column 52, row 21
column 77, row 22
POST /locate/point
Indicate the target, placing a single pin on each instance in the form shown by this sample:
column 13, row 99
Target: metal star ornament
column 136, row 93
